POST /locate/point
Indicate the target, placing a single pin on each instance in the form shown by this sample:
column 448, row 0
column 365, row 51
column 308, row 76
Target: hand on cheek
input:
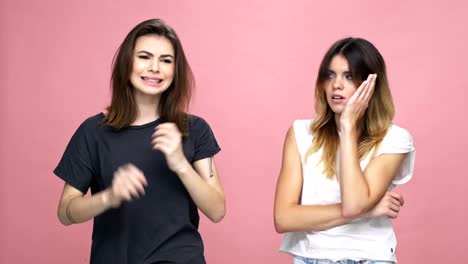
column 356, row 105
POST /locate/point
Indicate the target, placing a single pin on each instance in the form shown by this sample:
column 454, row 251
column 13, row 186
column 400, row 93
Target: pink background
column 255, row 63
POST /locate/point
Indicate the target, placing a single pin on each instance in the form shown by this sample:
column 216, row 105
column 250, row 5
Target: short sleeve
column 399, row 140
column 75, row 166
column 205, row 144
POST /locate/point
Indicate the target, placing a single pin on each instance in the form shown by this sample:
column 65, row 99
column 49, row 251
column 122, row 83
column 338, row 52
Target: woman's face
column 153, row 65
column 340, row 85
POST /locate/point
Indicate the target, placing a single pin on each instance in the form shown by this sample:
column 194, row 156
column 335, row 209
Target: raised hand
column 357, row 104
column 168, row 139
column 389, row 205
column 128, row 183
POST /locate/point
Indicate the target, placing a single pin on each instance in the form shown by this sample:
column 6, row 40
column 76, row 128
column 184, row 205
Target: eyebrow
column 345, row 72
column 152, row 55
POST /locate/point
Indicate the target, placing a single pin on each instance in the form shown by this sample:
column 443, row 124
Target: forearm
column 302, row 218
column 207, row 198
column 354, row 188
column 79, row 209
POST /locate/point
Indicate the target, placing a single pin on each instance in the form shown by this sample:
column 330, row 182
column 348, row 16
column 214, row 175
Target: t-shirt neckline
column 150, row 124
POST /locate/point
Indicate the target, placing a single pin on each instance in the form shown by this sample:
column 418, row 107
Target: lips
column 337, row 99
column 152, row 80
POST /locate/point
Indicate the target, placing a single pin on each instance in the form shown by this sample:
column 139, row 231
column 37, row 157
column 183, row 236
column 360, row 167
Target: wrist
column 109, row 200
column 347, row 127
column 182, row 167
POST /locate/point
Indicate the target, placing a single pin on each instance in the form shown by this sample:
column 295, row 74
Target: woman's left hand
column 168, row 139
column 390, row 206
column 356, row 105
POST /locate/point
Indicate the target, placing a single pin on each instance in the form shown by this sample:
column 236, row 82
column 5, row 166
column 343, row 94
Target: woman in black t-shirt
column 149, row 165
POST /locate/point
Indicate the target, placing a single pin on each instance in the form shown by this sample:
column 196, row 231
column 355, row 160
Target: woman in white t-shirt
column 333, row 197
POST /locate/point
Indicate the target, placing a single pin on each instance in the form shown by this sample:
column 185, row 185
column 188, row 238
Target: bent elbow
column 279, row 228
column 217, row 217
column 65, row 223
column 351, row 212
column 63, row 220
column 280, row 223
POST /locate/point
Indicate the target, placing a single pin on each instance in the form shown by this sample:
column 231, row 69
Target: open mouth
column 337, row 97
column 151, row 80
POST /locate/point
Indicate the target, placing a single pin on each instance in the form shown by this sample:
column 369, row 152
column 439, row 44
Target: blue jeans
column 302, row 260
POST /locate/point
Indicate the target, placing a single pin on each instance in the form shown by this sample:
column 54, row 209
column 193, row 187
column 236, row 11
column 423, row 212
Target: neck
column 147, row 108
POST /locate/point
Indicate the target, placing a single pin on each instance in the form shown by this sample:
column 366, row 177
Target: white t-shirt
column 363, row 238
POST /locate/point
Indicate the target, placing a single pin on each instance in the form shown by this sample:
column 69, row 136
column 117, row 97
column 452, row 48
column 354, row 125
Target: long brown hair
column 174, row 101
column 363, row 59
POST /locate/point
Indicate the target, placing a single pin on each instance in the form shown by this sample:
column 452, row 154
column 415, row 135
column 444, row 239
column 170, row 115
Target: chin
column 334, row 108
column 152, row 90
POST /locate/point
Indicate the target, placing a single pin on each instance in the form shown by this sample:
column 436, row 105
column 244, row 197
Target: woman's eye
column 349, row 77
column 331, row 75
column 143, row 57
column 166, row 61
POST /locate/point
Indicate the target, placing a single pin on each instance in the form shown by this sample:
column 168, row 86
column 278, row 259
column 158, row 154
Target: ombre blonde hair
column 363, row 59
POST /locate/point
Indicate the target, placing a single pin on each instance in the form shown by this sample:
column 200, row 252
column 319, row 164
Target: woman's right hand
column 389, row 206
column 357, row 104
column 128, row 183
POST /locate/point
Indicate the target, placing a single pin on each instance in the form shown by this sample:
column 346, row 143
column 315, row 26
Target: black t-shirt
column 161, row 226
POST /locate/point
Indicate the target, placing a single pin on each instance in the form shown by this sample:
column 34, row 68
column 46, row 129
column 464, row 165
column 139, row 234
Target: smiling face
column 339, row 86
column 153, row 66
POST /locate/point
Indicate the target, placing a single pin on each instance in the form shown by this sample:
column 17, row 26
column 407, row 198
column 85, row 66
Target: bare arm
column 360, row 190
column 204, row 188
column 201, row 181
column 128, row 182
column 289, row 215
column 75, row 208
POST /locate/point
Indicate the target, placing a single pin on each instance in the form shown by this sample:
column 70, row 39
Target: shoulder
column 302, row 134
column 397, row 140
column 93, row 121
column 91, row 125
column 198, row 126
column 85, row 137
column 302, row 124
column 398, row 134
column 201, row 135
column 301, row 128
column 196, row 121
